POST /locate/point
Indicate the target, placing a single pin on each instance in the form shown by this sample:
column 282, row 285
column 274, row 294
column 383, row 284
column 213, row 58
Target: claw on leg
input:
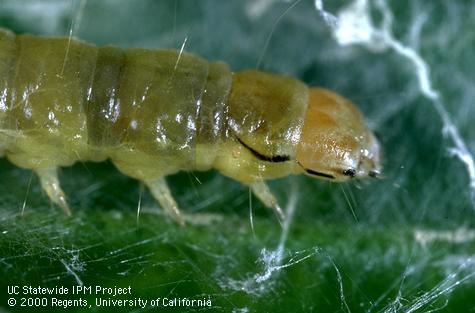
column 262, row 192
column 161, row 192
column 50, row 184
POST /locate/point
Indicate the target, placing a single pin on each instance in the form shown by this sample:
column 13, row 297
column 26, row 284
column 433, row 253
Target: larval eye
column 350, row 172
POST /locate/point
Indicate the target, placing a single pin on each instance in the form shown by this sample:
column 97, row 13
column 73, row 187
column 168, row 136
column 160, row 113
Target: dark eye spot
column 350, row 172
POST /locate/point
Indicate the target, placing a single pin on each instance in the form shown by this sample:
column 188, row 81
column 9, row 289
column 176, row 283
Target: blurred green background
column 404, row 243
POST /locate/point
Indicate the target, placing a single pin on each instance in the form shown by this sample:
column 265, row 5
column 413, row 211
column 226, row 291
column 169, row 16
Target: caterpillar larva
column 156, row 112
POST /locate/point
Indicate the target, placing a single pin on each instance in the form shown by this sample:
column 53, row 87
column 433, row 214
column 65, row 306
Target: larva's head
column 335, row 143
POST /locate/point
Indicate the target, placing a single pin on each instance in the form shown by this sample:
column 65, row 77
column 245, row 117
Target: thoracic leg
column 262, row 192
column 50, row 183
column 161, row 192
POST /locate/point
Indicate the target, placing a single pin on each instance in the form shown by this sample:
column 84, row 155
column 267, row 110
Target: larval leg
column 50, row 183
column 262, row 192
column 161, row 192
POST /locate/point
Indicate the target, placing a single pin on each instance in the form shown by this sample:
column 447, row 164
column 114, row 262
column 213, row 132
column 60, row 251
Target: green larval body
column 152, row 112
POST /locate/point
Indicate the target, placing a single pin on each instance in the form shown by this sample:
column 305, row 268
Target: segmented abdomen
column 152, row 112
column 64, row 100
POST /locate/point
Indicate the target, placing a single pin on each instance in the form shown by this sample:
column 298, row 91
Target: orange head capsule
column 335, row 142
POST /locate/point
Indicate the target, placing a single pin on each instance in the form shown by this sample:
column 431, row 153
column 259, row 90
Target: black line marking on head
column 316, row 173
column 311, row 172
column 273, row 158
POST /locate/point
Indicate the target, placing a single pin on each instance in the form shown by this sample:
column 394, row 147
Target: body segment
column 154, row 113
